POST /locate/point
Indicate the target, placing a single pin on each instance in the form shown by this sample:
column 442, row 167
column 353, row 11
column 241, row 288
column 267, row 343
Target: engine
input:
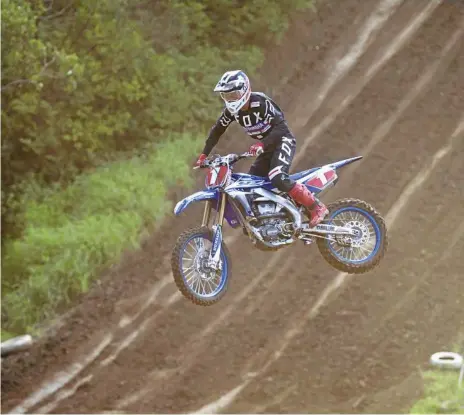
column 264, row 208
column 271, row 221
column 272, row 229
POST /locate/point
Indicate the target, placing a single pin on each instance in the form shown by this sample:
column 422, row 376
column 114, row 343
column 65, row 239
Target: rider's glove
column 256, row 149
column 200, row 160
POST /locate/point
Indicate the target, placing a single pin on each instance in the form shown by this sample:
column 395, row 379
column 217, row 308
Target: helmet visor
column 231, row 96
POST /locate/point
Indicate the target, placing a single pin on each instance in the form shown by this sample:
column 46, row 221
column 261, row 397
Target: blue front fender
column 195, row 197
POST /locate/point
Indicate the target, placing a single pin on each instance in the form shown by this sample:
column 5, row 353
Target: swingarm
column 323, row 229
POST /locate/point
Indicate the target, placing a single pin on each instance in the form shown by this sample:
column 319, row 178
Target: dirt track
column 384, row 79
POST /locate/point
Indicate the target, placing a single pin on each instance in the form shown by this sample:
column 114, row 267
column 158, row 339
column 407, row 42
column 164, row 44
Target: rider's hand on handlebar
column 200, row 161
column 256, row 149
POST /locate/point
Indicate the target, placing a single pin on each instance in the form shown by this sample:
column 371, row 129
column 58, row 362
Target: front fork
column 206, row 213
column 215, row 253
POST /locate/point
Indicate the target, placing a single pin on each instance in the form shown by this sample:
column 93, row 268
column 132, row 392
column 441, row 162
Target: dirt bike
column 352, row 238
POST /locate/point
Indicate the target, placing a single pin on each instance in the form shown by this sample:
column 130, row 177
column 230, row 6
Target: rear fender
column 345, row 162
column 321, row 179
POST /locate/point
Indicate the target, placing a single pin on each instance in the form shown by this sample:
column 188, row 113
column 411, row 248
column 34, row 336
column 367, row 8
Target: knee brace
column 283, row 182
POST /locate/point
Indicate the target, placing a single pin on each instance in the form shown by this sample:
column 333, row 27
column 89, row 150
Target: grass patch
column 442, row 393
column 6, row 335
column 72, row 233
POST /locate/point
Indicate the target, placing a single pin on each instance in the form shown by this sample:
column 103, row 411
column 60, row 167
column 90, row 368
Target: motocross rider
column 264, row 121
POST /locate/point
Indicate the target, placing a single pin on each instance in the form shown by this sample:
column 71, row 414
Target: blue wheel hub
column 198, row 275
column 363, row 244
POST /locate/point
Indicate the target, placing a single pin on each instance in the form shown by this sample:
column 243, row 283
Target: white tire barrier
column 447, row 360
column 16, row 345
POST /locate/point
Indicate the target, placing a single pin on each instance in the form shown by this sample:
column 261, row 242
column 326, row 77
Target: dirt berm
column 383, row 79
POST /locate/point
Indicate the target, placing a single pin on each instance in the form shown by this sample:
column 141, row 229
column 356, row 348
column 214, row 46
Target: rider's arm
column 217, row 130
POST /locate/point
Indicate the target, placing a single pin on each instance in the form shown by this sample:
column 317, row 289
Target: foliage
column 89, row 87
column 5, row 335
column 72, row 233
column 442, row 394
column 82, row 80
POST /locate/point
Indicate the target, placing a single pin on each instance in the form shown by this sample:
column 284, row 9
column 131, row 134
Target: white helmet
column 234, row 87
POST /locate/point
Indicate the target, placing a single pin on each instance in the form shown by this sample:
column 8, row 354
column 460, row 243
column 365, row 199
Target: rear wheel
column 354, row 254
column 189, row 262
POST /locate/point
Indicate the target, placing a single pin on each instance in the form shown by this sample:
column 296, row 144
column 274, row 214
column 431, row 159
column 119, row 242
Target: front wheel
column 189, row 262
column 361, row 253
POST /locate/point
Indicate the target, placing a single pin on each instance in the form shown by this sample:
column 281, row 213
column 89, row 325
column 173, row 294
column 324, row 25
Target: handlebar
column 229, row 159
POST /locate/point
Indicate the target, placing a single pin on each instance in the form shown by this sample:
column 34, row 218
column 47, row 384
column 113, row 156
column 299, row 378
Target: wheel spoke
column 356, row 248
column 197, row 275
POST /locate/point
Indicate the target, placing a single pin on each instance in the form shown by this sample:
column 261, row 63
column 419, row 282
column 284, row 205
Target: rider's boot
column 315, row 208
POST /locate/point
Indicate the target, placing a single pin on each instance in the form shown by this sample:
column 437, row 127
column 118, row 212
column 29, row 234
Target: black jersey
column 261, row 117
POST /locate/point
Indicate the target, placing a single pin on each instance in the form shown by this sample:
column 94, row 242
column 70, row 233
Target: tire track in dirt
column 422, row 279
column 61, row 379
column 424, row 313
column 380, row 61
column 374, row 23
